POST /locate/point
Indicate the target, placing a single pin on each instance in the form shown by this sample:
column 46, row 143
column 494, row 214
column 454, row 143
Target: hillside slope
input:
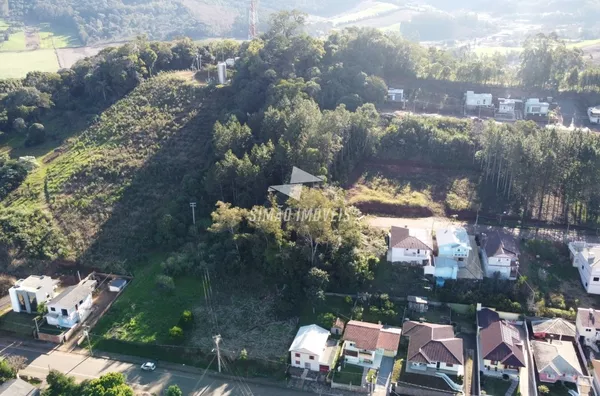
column 109, row 184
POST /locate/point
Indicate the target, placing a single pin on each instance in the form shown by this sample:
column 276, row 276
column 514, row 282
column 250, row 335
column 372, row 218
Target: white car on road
column 148, row 366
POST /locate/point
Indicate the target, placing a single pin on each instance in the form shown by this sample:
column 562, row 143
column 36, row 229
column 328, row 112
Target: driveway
column 82, row 367
column 385, row 372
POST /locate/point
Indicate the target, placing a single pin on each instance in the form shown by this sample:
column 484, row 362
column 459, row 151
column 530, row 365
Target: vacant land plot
column 398, row 189
column 18, row 64
column 494, row 386
column 21, row 324
column 364, row 10
column 144, row 314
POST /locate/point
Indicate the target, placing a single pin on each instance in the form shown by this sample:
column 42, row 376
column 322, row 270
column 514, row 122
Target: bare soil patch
column 32, row 39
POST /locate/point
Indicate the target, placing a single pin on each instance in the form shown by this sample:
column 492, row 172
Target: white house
column 534, row 107
column 594, row 114
column 18, row 387
column 310, row 349
column 500, row 255
column 433, row 348
column 365, row 344
column 453, row 242
column 222, row 72
column 588, row 325
column 230, row 62
column 474, row 100
column 506, row 106
column 72, row 306
column 586, row 257
column 395, row 95
column 556, row 361
column 410, row 246
column 26, row 294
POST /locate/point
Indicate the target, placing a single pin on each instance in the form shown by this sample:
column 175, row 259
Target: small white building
column 586, row 258
column 534, row 107
column 72, row 306
column 230, row 62
column 410, row 246
column 309, row 349
column 594, row 114
column 116, row 285
column 222, row 72
column 474, row 100
column 588, row 325
column 26, row 294
column 507, row 106
column 395, row 95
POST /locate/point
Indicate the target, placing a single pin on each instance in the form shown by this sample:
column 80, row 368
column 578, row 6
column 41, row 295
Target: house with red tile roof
column 411, row 246
column 433, row 348
column 501, row 348
column 365, row 344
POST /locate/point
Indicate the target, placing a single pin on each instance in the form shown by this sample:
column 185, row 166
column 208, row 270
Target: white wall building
column 474, row 100
column 586, row 258
column 588, row 325
column 222, row 72
column 72, row 306
column 500, row 254
column 594, row 114
column 506, row 106
column 395, row 95
column 26, row 294
column 411, row 246
column 534, row 107
column 309, row 347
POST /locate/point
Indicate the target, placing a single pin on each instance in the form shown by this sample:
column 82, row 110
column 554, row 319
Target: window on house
column 483, row 101
column 588, row 330
column 585, row 284
column 298, row 362
column 52, row 309
column 494, row 363
column 80, row 302
column 64, row 312
column 596, row 279
column 449, row 365
column 297, row 355
column 418, row 251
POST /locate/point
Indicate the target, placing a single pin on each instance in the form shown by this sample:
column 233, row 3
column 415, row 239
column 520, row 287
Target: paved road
column 83, row 367
column 436, row 222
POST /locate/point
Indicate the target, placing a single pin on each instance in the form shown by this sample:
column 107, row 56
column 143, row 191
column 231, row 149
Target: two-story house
column 433, row 348
column 309, row 350
column 26, row 294
column 474, row 100
column 411, row 246
column 500, row 255
column 586, row 258
column 588, row 325
column 72, row 306
column 501, row 348
column 365, row 343
column 454, row 246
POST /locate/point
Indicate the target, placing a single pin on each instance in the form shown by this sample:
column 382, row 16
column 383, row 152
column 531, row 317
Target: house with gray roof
column 500, row 253
column 410, row 246
column 501, row 348
column 556, row 361
column 433, row 348
column 555, row 328
column 72, row 306
column 18, row 387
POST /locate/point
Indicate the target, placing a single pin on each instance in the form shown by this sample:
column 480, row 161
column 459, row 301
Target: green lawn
column 494, row 386
column 16, row 42
column 349, row 374
column 60, row 36
column 143, row 313
column 3, row 25
column 18, row 323
column 18, row 64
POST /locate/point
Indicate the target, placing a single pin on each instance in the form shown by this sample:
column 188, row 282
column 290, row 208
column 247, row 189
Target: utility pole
column 217, row 340
column 477, row 218
column 86, row 333
column 193, row 206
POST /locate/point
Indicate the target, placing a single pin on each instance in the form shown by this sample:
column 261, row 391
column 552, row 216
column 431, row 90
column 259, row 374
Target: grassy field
column 349, row 374
column 18, row 64
column 17, row 323
column 144, row 314
column 16, row 42
column 369, row 10
column 404, row 190
column 494, row 386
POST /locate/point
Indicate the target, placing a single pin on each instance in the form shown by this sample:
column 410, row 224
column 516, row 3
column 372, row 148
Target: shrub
column 543, row 390
column 187, row 319
column 176, row 333
column 36, row 134
column 165, row 283
column 357, row 313
column 326, row 320
column 174, row 390
column 348, row 300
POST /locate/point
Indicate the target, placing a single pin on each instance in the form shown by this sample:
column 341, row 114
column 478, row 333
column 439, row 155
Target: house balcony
column 433, row 371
